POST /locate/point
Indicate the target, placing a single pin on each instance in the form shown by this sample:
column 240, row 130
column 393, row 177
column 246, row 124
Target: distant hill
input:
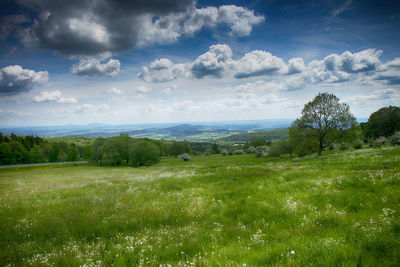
column 274, row 134
column 201, row 131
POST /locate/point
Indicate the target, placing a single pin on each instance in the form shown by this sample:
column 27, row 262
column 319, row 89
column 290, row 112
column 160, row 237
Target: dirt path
column 41, row 164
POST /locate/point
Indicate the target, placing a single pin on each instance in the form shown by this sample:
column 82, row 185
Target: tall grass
column 340, row 209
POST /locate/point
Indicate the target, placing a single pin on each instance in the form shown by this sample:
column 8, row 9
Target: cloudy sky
column 149, row 61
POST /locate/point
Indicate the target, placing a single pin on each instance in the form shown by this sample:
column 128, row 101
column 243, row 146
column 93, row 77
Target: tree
column 143, row 153
column 324, row 121
column 73, row 154
column 383, row 122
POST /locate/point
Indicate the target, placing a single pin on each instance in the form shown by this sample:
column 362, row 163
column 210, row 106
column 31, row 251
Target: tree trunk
column 320, row 147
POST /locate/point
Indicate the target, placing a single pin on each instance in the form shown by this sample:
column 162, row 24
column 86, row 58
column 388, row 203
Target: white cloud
column 114, row 91
column 163, row 70
column 212, row 63
column 257, row 63
column 53, row 97
column 296, row 65
column 89, row 108
column 14, row 79
column 383, row 96
column 93, row 67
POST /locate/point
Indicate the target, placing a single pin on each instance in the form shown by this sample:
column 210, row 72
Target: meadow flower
column 292, row 252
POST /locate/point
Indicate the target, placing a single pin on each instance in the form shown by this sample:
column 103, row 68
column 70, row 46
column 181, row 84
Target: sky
column 155, row 61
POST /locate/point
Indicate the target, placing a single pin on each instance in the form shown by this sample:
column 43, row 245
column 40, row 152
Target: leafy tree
column 324, row 120
column 73, row 154
column 5, row 152
column 143, row 153
column 216, row 149
column 280, row 147
column 383, row 122
column 37, row 154
column 54, row 152
column 178, row 148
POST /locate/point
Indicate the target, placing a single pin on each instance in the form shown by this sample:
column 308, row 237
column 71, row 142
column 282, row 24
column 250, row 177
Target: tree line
column 34, row 149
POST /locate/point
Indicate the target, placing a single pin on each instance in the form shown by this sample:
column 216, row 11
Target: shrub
column 331, row 147
column 230, row 152
column 261, row 151
column 395, row 138
column 378, row 142
column 238, row 151
column 344, row 146
column 357, row 145
column 251, row 149
column 143, row 154
column 186, row 157
column 224, row 152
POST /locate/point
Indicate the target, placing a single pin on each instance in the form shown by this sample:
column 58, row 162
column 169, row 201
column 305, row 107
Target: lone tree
column 324, row 121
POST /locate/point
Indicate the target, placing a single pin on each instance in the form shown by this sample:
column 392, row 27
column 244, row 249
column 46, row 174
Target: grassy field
column 342, row 209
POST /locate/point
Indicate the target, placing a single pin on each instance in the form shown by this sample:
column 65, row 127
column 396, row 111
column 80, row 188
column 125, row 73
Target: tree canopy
column 383, row 122
column 324, row 120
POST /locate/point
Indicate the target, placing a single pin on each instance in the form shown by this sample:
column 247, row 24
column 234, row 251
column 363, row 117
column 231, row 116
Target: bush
column 251, row 149
column 238, row 151
column 395, row 138
column 344, row 146
column 357, row 145
column 261, row 151
column 378, row 142
column 143, row 154
column 186, row 157
column 230, row 152
column 224, row 152
column 331, row 147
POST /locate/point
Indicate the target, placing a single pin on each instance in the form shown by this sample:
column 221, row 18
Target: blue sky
column 185, row 61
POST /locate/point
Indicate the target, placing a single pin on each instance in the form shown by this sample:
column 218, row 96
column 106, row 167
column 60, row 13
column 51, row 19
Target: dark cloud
column 92, row 27
column 15, row 79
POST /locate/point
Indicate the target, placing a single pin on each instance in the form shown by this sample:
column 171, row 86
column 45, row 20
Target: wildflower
column 292, row 252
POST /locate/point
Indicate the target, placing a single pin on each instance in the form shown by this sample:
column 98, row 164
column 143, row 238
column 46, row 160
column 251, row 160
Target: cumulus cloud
column 14, row 79
column 163, row 70
column 114, row 91
column 363, row 67
column 87, row 27
column 258, row 63
column 212, row 63
column 296, row 65
column 387, row 96
column 53, row 97
column 93, row 67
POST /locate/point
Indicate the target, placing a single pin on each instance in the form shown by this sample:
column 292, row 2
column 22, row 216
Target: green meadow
column 342, row 209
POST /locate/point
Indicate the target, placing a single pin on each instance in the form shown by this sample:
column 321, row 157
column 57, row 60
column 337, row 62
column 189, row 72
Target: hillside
column 338, row 210
column 276, row 134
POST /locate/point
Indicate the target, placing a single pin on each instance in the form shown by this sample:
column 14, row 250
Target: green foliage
column 186, row 157
column 143, row 153
column 270, row 135
column 178, row 148
column 395, row 138
column 280, row 147
column 37, row 154
column 324, row 121
column 73, row 154
column 383, row 122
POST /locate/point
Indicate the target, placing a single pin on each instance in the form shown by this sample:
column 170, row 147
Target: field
column 340, row 209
